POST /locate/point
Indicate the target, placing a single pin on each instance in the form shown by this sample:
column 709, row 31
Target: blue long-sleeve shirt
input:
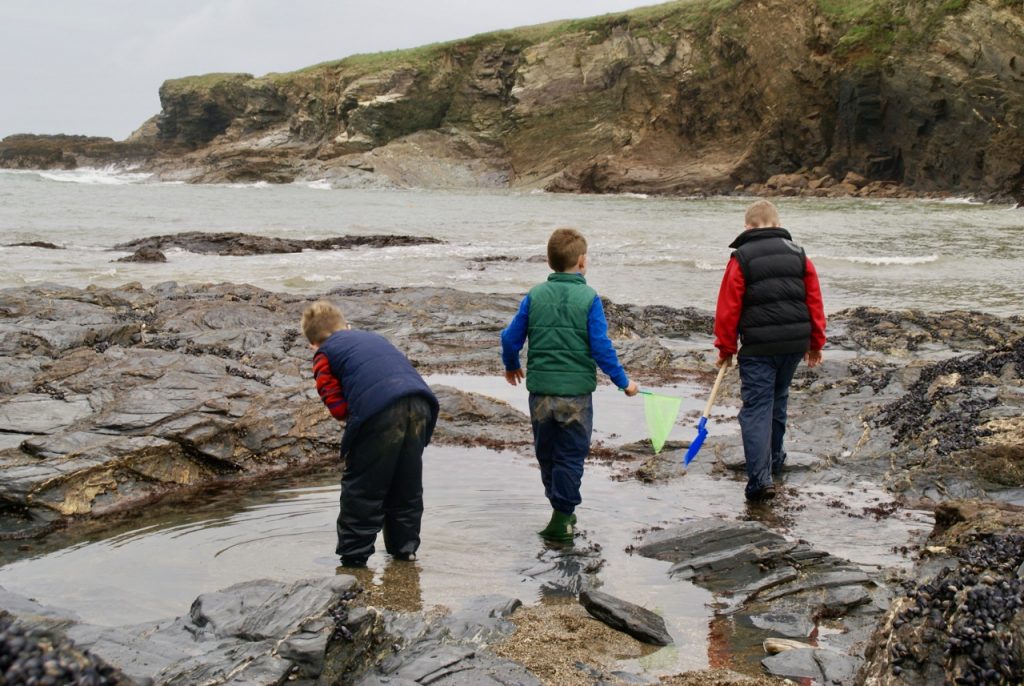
column 601, row 349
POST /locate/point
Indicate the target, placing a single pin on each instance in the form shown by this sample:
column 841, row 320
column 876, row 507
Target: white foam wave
column 319, row 185
column 105, row 273
column 886, row 260
column 960, row 201
column 257, row 184
column 105, row 176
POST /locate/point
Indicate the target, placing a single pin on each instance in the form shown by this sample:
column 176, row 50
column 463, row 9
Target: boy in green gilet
column 564, row 321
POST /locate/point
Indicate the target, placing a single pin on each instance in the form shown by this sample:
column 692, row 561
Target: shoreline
column 820, row 185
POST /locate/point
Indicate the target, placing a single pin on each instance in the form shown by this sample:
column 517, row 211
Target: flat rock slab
column 794, row 462
column 36, row 413
column 704, row 537
column 621, row 615
column 233, row 243
column 254, row 632
column 823, row 666
column 459, row 666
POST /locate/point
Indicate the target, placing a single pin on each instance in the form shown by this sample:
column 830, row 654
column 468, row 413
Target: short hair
column 762, row 214
column 565, row 247
column 320, row 320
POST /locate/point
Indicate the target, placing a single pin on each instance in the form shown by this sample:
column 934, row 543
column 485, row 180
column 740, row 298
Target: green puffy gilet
column 558, row 358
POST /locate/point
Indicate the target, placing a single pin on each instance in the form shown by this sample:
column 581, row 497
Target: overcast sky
column 94, row 66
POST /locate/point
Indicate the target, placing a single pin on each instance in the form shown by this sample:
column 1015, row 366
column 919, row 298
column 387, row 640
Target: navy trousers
column 765, row 381
column 561, row 438
column 382, row 485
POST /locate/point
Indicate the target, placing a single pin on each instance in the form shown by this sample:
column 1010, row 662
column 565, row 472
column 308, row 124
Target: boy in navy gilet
column 390, row 414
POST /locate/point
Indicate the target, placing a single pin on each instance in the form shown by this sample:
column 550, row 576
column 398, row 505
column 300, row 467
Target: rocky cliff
column 684, row 97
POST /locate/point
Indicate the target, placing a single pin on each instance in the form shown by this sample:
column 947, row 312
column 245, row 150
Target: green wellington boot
column 560, row 528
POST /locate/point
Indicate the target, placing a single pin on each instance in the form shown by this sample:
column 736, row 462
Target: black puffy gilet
column 775, row 319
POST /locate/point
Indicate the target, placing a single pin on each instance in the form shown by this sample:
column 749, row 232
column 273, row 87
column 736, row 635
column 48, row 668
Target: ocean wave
column 960, row 201
column 255, row 184
column 320, row 185
column 308, row 280
column 659, row 260
column 105, row 176
column 103, row 274
column 887, row 260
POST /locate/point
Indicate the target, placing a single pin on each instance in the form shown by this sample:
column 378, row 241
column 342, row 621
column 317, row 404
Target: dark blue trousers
column 561, row 438
column 765, row 381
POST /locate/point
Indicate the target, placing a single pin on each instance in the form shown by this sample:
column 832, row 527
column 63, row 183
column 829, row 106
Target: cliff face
column 692, row 96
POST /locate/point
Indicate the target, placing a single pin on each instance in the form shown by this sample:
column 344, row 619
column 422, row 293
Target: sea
column 928, row 254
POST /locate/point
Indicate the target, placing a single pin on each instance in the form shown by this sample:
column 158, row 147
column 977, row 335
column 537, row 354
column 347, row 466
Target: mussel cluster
column 972, row 613
column 948, row 417
column 31, row 658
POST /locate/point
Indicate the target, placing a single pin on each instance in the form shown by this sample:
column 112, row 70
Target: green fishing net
column 661, row 412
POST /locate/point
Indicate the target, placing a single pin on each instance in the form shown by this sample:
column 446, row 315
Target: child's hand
column 515, row 376
column 632, row 389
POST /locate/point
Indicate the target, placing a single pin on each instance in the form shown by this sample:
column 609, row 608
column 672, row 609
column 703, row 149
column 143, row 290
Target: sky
column 94, row 67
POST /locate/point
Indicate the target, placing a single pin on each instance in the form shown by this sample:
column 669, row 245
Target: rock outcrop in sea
column 785, row 97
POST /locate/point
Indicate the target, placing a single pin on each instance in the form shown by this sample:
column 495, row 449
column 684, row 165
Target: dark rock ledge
column 312, row 631
column 233, row 243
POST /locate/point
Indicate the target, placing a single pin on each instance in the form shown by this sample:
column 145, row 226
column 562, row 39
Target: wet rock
column 254, row 632
column 795, row 461
column 658, row 320
column 42, row 413
column 46, row 245
column 216, row 373
column 777, row 577
column 776, row 586
column 638, row 622
column 786, row 619
column 230, row 243
column 144, row 255
column 462, row 414
column 700, row 537
column 821, row 666
column 453, row 666
column 449, row 650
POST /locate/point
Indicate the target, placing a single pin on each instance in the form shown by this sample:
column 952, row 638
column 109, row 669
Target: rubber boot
column 560, row 528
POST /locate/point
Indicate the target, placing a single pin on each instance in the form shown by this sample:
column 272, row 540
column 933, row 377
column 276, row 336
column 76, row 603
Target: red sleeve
column 727, row 314
column 815, row 306
column 328, row 387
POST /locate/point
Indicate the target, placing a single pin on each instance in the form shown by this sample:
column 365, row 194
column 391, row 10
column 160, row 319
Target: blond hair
column 761, row 214
column 320, row 320
column 565, row 248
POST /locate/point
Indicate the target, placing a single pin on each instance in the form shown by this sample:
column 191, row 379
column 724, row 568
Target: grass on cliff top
column 875, row 28
column 205, row 82
column 654, row 20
